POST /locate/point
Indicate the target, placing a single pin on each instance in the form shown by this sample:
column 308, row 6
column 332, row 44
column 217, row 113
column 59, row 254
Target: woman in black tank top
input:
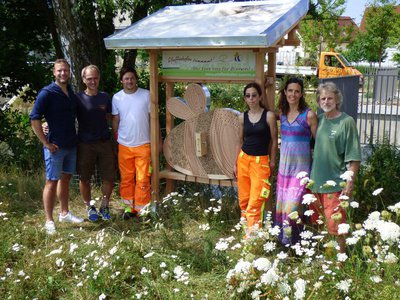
column 256, row 156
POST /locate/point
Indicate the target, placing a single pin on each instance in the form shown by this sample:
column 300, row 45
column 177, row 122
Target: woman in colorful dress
column 256, row 156
column 298, row 125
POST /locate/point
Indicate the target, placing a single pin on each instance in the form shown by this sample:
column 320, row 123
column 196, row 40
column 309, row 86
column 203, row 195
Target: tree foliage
column 382, row 30
column 26, row 44
column 35, row 32
column 319, row 30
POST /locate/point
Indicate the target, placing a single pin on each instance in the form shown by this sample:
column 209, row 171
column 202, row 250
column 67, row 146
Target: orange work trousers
column 135, row 170
column 253, row 187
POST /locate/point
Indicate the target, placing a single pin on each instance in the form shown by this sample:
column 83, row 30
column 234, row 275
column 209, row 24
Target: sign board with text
column 209, row 63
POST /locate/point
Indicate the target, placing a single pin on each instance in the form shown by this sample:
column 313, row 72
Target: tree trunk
column 81, row 35
column 138, row 13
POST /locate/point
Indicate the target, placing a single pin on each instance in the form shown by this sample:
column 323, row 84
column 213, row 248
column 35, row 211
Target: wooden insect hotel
column 207, row 43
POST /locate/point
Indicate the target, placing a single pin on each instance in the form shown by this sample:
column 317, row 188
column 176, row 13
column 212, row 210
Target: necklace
column 254, row 117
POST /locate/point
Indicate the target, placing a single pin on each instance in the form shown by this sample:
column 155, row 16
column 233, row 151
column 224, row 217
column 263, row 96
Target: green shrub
column 19, row 145
column 381, row 170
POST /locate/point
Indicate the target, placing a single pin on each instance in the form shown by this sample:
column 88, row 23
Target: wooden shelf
column 166, row 174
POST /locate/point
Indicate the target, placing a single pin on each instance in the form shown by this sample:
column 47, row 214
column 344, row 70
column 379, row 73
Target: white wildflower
column 269, row 246
column 221, row 246
column 284, row 288
column 309, row 212
column 391, row 258
column 300, row 289
column 180, row 275
column 301, row 174
column 342, row 257
column 352, row 240
column 255, row 295
column 165, row 275
column 372, row 221
column 102, row 296
column 330, row 183
column 163, row 265
column 72, row 248
column 242, row 267
column 347, row 176
column 262, row 264
column 57, row 251
column 395, row 208
column 306, row 235
column 204, row 227
column 270, row 278
column 282, row 255
column 16, row 247
column 317, row 285
column 344, row 285
column 343, row 228
column 376, row 279
column 274, row 231
column 304, row 181
column 359, row 233
column 354, row 204
column 236, row 246
column 150, row 254
column 389, row 231
column 377, row 192
column 308, row 199
column 113, row 250
column 59, row 262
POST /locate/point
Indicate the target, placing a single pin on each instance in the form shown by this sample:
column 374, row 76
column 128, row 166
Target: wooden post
column 169, row 119
column 154, row 126
column 271, row 80
column 260, row 77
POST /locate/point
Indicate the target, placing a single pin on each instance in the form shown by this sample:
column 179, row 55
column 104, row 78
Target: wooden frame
column 168, row 174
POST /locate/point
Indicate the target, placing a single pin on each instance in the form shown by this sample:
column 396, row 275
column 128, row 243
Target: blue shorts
column 61, row 161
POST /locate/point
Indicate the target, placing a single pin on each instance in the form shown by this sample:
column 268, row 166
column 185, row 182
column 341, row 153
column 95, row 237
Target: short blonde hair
column 331, row 87
column 61, row 61
column 90, row 67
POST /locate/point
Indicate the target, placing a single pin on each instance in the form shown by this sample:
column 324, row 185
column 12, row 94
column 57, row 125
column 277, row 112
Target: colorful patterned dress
column 295, row 157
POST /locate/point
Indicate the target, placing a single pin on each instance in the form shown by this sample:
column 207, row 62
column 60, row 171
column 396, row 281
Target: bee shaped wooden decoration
column 206, row 143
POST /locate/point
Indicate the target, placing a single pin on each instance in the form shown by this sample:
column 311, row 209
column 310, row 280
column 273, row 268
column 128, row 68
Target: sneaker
column 50, row 227
column 69, row 218
column 144, row 219
column 104, row 213
column 129, row 215
column 92, row 213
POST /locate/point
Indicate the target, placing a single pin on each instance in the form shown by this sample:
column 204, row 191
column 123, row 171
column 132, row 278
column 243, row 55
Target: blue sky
column 355, row 10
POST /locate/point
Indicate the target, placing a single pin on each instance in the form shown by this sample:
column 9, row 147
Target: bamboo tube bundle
column 205, row 144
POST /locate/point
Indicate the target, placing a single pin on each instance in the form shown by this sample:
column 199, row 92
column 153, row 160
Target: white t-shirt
column 134, row 117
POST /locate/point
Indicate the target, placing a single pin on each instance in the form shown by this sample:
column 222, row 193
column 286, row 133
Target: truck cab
column 332, row 64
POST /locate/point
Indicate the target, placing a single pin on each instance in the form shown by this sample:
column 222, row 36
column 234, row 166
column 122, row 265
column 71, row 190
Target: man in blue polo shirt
column 57, row 103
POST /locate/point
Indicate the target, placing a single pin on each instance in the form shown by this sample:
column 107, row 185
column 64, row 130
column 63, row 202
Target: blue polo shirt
column 59, row 110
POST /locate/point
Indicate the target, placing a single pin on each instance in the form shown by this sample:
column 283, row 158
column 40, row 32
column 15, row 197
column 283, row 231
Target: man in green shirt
column 337, row 150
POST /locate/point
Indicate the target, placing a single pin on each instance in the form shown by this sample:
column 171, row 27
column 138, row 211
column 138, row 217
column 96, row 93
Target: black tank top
column 256, row 136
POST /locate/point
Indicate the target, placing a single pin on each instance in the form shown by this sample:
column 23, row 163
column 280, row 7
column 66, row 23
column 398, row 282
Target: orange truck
column 331, row 64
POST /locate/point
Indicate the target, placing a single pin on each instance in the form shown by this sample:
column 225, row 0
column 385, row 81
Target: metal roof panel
column 230, row 24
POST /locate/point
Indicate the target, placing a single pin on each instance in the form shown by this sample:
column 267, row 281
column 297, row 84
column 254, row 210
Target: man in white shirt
column 131, row 124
